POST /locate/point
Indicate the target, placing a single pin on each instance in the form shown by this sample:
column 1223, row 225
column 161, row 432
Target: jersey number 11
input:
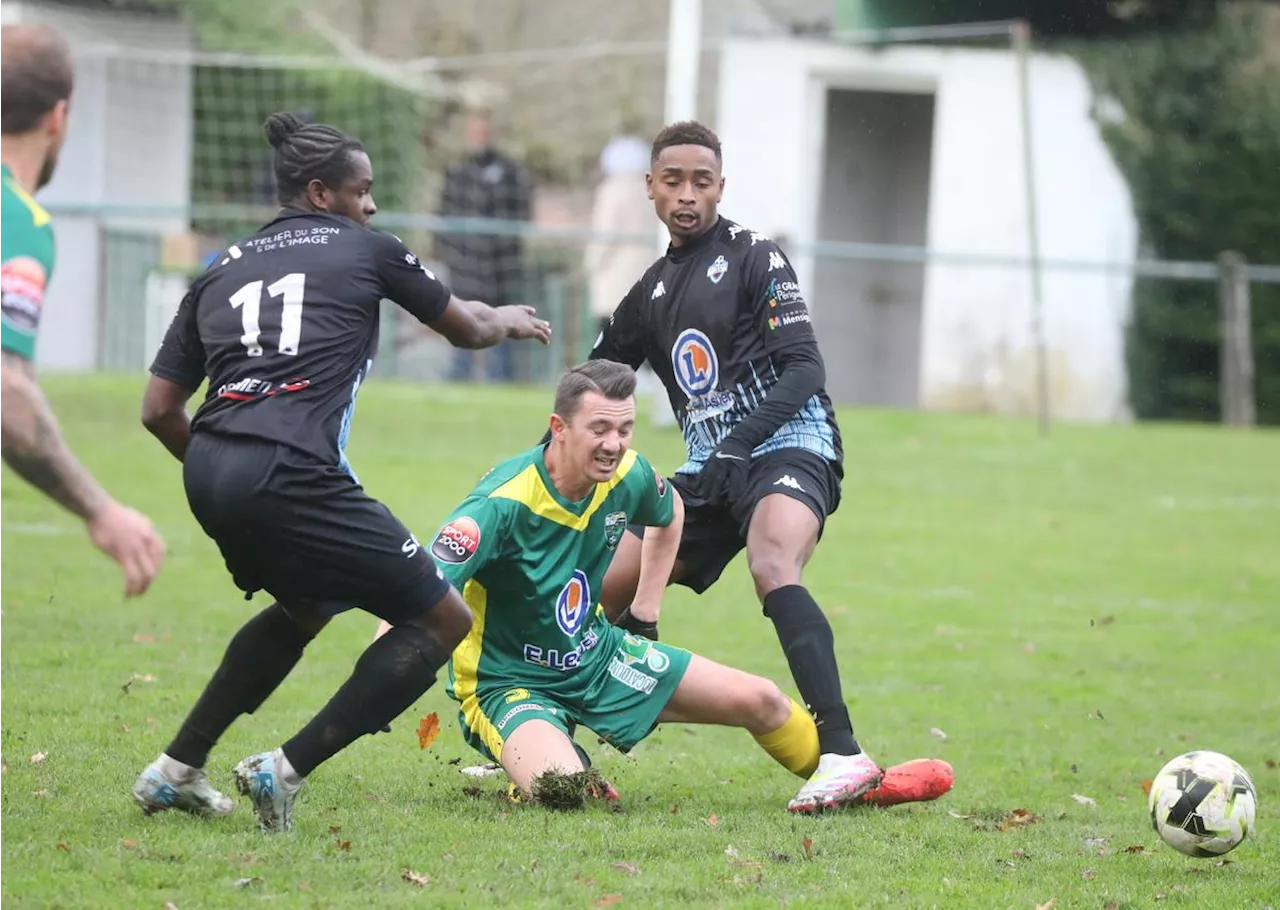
column 248, row 300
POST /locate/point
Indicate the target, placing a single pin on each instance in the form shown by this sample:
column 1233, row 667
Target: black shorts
column 714, row 535
column 306, row 532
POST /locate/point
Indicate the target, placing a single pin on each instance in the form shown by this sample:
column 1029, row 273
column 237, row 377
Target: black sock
column 810, row 648
column 390, row 675
column 257, row 660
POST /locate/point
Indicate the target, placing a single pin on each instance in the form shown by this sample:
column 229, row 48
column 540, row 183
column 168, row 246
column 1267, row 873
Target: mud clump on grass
column 566, row 792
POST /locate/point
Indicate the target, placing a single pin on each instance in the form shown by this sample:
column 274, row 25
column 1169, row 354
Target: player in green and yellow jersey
column 38, row 78
column 529, row 547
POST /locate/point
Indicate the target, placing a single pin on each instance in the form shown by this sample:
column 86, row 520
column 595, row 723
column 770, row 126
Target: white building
column 921, row 146
column 128, row 148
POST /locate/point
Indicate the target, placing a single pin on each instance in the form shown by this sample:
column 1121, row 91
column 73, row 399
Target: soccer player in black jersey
column 722, row 322
column 284, row 325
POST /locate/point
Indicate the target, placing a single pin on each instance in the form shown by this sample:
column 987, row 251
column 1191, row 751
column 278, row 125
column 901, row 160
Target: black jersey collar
column 695, row 246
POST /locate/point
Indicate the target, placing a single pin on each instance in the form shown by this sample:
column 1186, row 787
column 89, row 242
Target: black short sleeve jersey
column 284, row 325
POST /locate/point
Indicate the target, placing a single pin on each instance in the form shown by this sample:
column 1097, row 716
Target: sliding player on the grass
column 529, row 548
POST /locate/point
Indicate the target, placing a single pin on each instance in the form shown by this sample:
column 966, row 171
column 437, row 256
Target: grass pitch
column 1054, row 617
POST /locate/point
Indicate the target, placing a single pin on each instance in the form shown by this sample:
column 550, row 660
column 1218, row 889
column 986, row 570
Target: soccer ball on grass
column 1202, row 804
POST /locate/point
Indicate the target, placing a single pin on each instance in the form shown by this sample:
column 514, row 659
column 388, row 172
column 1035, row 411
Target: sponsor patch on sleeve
column 22, row 283
column 457, row 541
column 662, row 484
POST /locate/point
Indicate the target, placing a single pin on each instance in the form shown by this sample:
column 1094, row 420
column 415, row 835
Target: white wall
column 128, row 144
column 976, row 351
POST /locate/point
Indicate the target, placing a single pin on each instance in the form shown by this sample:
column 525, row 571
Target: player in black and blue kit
column 283, row 325
column 722, row 322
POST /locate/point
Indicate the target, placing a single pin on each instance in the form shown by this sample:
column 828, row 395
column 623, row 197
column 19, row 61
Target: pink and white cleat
column 840, row 780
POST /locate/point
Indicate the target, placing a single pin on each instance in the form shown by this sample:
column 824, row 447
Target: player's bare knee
column 765, row 706
column 451, row 620
column 772, row 568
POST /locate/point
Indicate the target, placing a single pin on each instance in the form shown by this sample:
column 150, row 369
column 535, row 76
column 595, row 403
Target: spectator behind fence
column 484, row 265
column 621, row 209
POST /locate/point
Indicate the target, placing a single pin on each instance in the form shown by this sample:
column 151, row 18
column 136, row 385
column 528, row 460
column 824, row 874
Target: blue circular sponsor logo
column 573, row 605
column 695, row 364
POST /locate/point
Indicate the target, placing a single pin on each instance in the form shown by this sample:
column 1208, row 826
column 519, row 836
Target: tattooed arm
column 33, row 445
column 34, row 448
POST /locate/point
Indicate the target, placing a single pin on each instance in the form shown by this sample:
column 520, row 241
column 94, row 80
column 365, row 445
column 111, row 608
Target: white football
column 1202, row 804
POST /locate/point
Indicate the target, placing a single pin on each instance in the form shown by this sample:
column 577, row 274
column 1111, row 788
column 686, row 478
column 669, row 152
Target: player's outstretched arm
column 33, row 446
column 473, row 324
column 164, row 414
column 657, row 559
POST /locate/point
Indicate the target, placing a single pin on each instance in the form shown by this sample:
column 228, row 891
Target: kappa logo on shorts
column 615, row 525
column 695, row 363
column 517, row 695
column 457, row 541
column 573, row 605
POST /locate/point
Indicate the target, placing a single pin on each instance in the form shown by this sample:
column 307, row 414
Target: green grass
column 1072, row 612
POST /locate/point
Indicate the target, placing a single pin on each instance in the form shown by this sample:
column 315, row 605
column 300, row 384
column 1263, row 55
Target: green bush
column 1200, row 147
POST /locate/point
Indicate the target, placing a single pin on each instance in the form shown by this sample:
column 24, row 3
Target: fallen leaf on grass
column 779, row 857
column 607, row 900
column 711, row 821
column 1102, row 621
column 1146, row 787
column 1085, row 800
column 629, row 868
column 40, row 794
column 1110, row 905
column 938, row 733
column 1029, row 647
column 1136, row 848
column 128, row 844
column 1272, row 764
column 1047, row 905
column 1018, row 818
column 731, row 851
column 343, row 845
column 170, row 905
column 334, row 829
column 1021, row 853
column 304, row 886
column 39, row 757
column 3, row 768
column 1074, row 770
column 954, row 814
column 1096, row 715
column 144, row 638
column 415, row 878
column 63, row 846
column 1224, row 862
column 675, row 809
column 1087, row 875
column 428, row 730
column 1095, row 841
column 807, row 843
column 246, row 882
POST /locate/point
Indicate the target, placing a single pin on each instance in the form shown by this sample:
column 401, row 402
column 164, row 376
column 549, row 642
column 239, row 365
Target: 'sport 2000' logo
column 457, row 541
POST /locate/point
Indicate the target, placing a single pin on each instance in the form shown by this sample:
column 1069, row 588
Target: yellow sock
column 794, row 745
